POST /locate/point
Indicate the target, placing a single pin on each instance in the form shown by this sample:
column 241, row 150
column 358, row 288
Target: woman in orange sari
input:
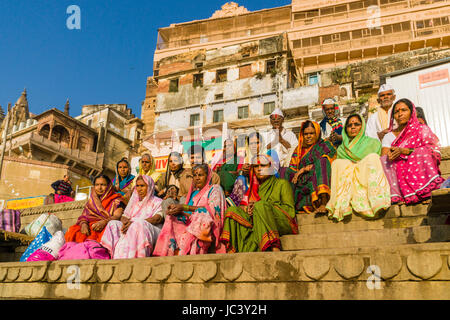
column 103, row 205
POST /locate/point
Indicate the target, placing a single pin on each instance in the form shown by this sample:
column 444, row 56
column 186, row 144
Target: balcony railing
column 358, row 13
column 361, row 43
column 181, row 42
column 89, row 157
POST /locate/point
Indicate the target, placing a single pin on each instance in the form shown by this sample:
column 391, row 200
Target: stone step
column 419, row 210
column 440, row 202
column 413, row 272
column 331, row 226
column 367, row 238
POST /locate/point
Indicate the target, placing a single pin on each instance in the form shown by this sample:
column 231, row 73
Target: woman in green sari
column 229, row 167
column 265, row 213
column 358, row 181
column 310, row 169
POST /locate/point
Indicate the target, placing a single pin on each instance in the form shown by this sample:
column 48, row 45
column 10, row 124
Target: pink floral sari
column 140, row 238
column 417, row 174
column 195, row 234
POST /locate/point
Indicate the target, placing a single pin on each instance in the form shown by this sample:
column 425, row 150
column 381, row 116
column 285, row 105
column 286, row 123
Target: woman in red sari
column 103, row 205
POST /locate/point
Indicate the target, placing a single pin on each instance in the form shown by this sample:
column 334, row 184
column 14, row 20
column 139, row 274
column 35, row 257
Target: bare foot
column 322, row 210
column 426, row 201
column 275, row 249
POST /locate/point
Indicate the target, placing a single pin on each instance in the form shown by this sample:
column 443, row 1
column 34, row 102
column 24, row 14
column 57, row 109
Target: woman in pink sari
column 195, row 227
column 410, row 156
column 134, row 236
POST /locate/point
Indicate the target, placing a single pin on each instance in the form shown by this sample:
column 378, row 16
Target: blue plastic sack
column 446, row 184
column 43, row 237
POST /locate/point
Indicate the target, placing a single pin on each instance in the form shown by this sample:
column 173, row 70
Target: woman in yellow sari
column 147, row 167
column 358, row 181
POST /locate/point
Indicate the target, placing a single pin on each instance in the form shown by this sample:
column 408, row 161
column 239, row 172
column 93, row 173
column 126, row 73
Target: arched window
column 45, row 130
column 61, row 135
column 83, row 144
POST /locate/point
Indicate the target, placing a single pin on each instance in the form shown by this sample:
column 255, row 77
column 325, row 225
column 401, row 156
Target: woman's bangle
column 185, row 207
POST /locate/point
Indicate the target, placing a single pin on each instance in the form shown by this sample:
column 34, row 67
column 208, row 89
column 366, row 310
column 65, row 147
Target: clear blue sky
column 107, row 61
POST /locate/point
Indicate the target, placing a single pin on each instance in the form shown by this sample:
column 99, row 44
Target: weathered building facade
column 54, row 142
column 238, row 65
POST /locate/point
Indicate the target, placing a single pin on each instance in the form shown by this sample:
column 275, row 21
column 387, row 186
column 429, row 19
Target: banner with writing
column 23, row 203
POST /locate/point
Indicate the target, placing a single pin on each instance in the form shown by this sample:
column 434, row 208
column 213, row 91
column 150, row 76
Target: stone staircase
column 400, row 225
column 408, row 249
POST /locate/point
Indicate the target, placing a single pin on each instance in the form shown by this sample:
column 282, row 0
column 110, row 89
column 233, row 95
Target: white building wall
column 430, row 89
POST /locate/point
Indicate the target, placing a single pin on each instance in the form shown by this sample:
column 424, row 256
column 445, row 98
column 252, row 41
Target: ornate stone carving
column 54, row 272
column 230, row 9
column 25, row 273
column 390, row 264
column 141, row 272
column 13, row 274
column 349, row 267
column 104, row 272
column 424, row 265
column 183, row 271
column 316, row 267
column 231, row 270
column 3, row 273
column 163, row 271
column 207, row 270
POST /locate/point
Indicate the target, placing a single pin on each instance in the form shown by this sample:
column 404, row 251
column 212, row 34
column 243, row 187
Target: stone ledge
column 386, row 223
column 53, row 208
column 243, row 276
column 367, row 238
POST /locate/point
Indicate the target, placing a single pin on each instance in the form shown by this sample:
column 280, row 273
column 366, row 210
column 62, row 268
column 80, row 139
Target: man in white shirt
column 378, row 123
column 282, row 140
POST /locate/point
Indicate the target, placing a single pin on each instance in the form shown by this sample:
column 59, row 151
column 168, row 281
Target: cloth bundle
column 10, row 220
column 50, row 221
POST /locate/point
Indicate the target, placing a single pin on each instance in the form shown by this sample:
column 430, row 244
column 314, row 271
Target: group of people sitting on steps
column 336, row 167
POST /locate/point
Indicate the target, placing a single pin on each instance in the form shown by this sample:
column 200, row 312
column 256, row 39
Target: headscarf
column 120, row 183
column 252, row 193
column 300, row 151
column 203, row 225
column 360, row 146
column 147, row 207
column 151, row 172
column 335, row 122
column 421, row 114
column 152, row 165
column 228, row 168
column 414, row 134
column 206, row 187
column 178, row 172
column 100, row 207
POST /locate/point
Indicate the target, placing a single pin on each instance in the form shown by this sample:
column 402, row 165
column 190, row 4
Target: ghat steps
column 408, row 247
column 326, row 260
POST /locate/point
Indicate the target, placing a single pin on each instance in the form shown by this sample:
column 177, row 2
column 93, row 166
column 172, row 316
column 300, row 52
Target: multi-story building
column 238, row 65
column 53, row 143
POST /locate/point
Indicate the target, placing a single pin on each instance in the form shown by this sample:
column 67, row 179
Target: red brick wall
column 328, row 92
column 163, row 86
column 174, row 67
column 245, row 71
column 186, row 79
